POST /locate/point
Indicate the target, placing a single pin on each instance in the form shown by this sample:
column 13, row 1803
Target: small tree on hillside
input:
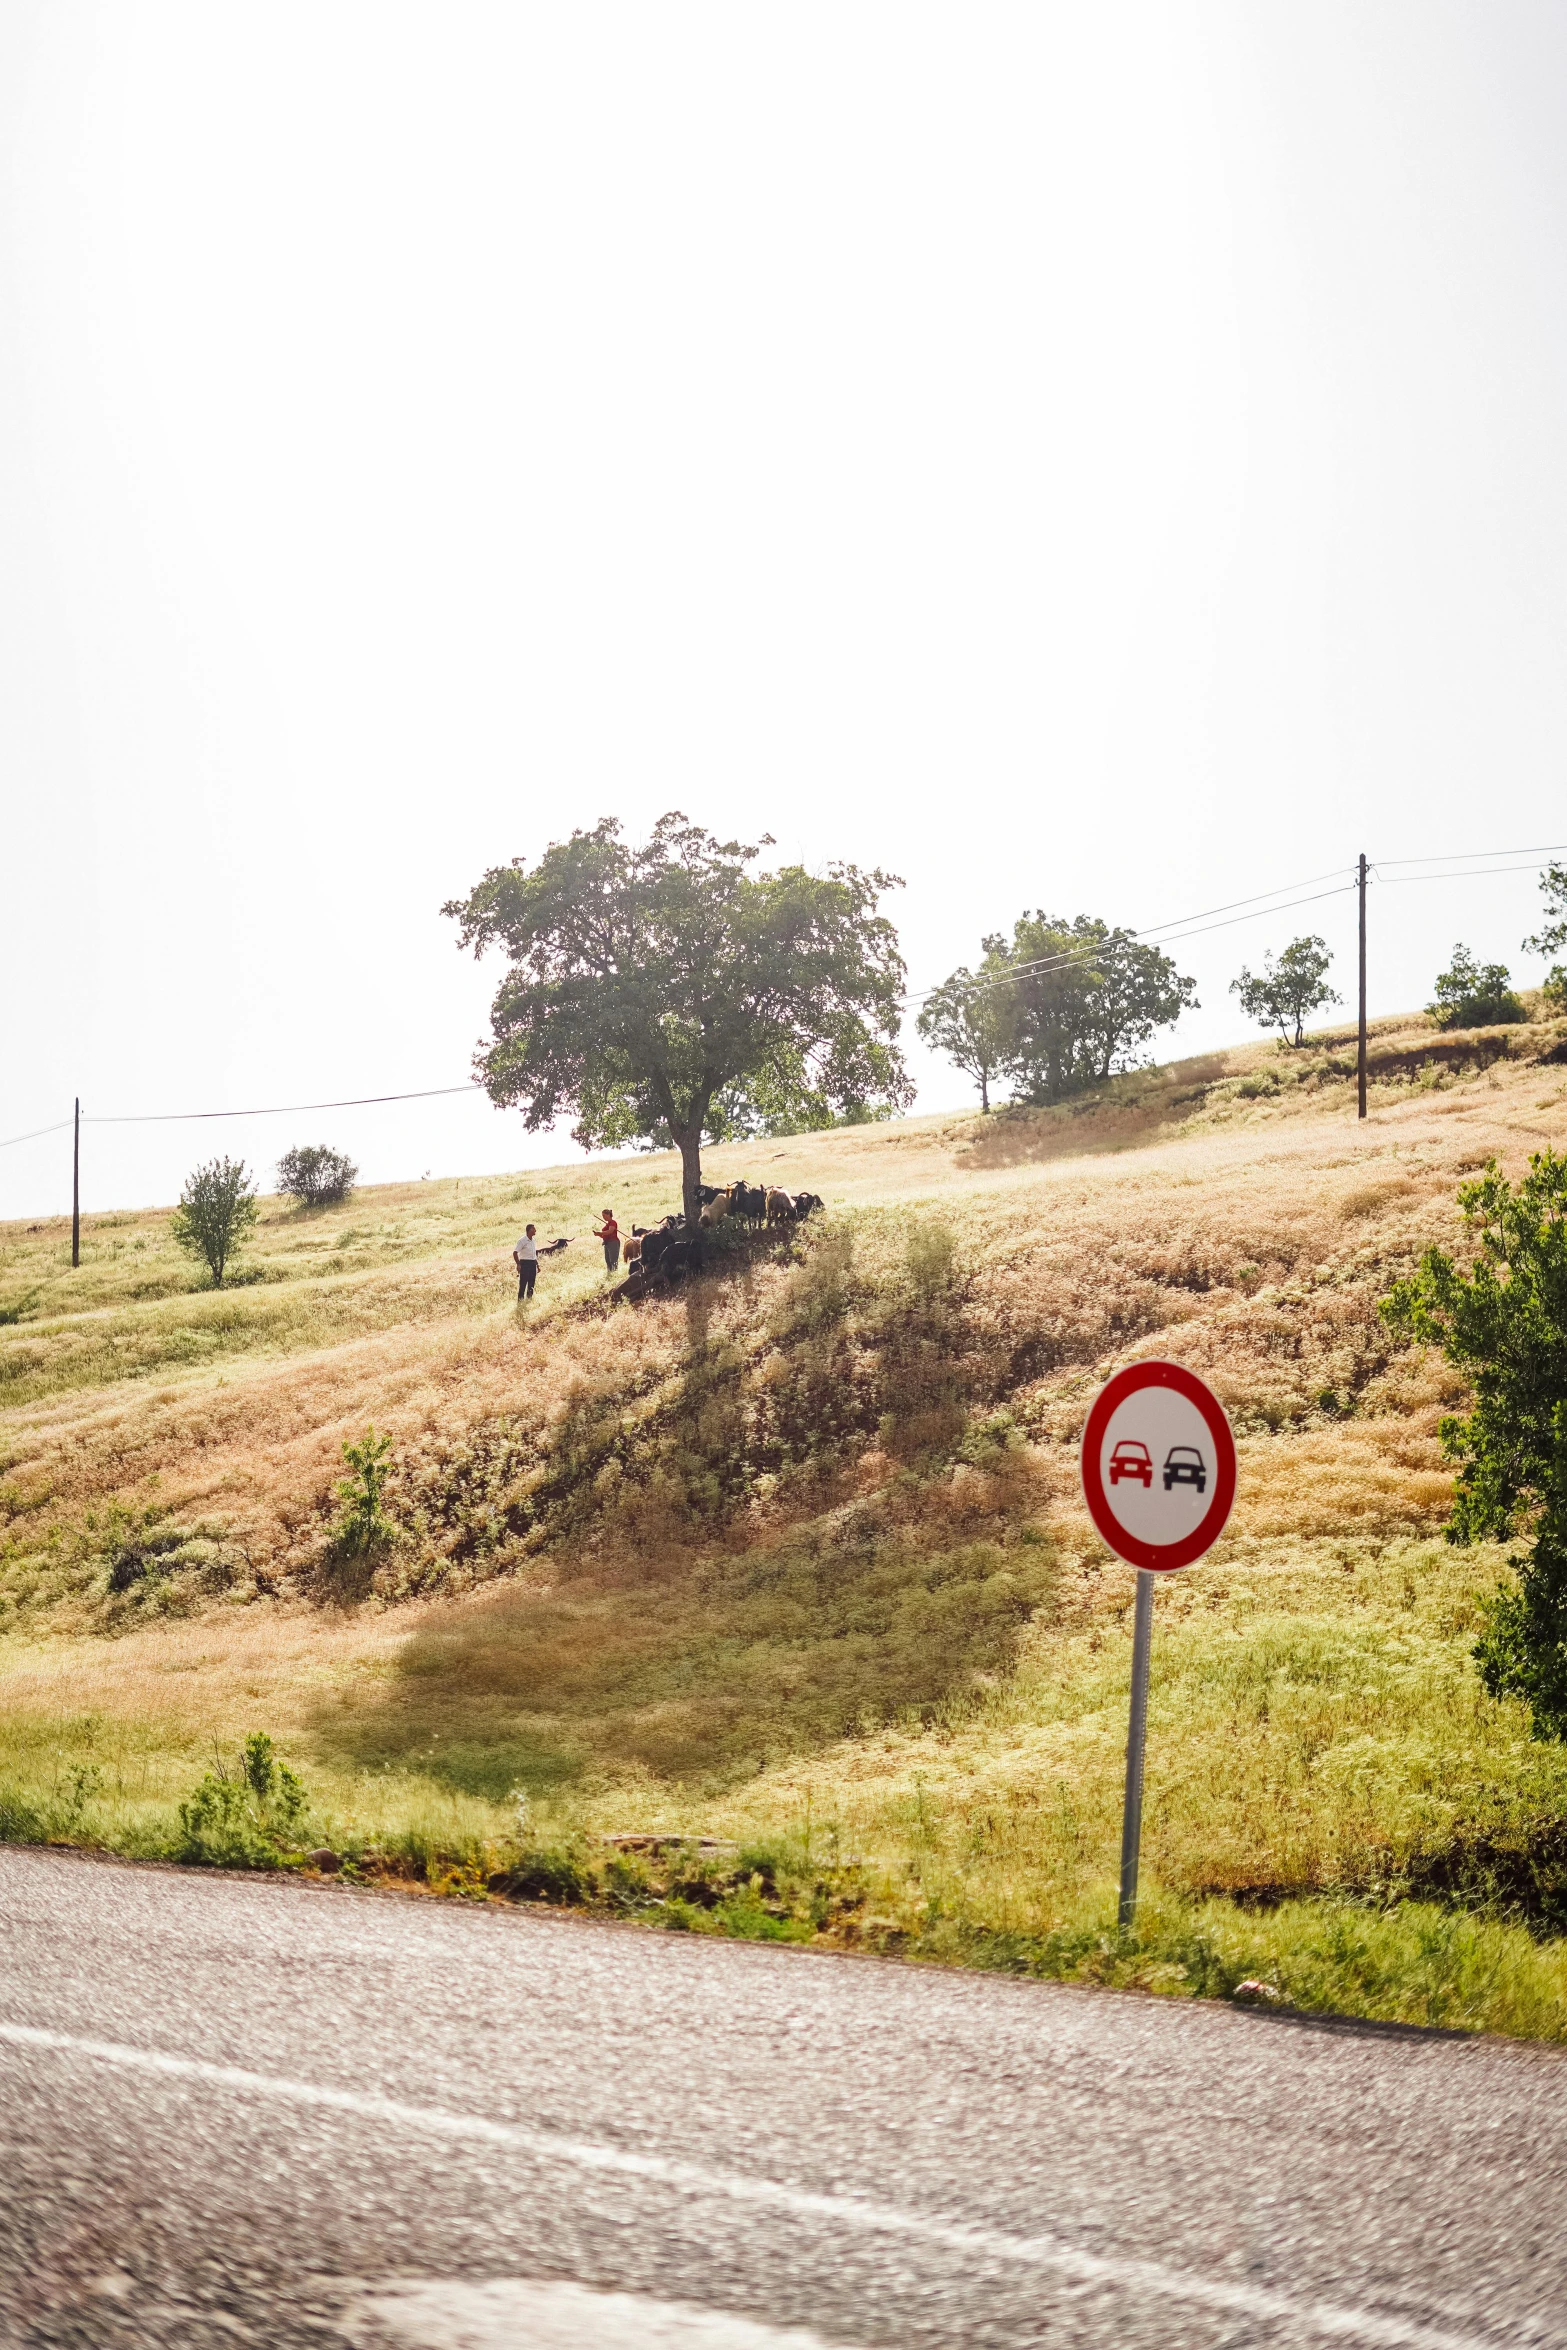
column 1504, row 1324
column 1284, row 994
column 216, row 1211
column 1474, row 995
column 968, row 1019
column 667, row 994
column 362, row 1522
column 316, row 1176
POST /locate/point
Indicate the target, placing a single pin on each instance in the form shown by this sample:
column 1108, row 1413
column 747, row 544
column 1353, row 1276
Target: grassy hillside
column 797, row 1561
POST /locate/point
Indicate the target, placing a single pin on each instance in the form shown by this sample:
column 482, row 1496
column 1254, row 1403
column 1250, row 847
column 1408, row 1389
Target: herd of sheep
column 664, row 1254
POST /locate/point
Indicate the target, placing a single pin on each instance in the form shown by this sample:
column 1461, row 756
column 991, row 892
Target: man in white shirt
column 525, row 1256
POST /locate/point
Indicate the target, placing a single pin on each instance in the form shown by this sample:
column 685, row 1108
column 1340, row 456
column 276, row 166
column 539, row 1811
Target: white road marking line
column 544, row 2313
column 1235, row 2297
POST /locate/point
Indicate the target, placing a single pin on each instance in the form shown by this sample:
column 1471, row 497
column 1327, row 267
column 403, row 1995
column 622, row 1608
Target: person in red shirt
column 609, row 1233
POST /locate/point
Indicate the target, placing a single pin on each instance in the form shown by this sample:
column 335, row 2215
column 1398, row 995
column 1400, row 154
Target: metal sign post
column 1136, row 1739
column 1159, row 1469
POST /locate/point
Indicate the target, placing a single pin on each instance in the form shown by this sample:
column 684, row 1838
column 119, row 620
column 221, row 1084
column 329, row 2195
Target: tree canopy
column 1084, row 999
column 668, row 994
column 1284, row 993
column 1503, row 1322
column 1061, row 1005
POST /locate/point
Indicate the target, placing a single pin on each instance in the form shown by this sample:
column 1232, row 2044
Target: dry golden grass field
column 796, row 1561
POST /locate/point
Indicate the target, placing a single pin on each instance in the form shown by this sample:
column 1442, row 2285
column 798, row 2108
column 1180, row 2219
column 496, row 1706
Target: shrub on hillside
column 930, row 1253
column 135, row 1563
column 362, row 1523
column 315, row 1175
column 243, row 1815
column 1474, row 995
column 216, row 1211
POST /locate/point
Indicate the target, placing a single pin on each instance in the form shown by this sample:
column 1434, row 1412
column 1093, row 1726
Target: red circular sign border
column 1160, row 1557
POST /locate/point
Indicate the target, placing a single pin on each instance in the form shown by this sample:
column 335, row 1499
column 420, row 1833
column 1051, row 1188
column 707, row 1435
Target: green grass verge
column 1399, row 1960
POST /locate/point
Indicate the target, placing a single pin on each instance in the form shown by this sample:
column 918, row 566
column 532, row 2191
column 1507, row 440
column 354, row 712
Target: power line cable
column 362, row 1101
column 1474, row 873
column 1175, row 933
column 1343, row 889
column 1093, row 954
column 274, row 1110
column 33, row 1137
column 1178, row 922
column 1309, row 881
column 1550, row 848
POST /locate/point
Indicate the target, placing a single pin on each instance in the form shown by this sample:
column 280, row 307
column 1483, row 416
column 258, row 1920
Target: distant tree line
column 1065, row 1004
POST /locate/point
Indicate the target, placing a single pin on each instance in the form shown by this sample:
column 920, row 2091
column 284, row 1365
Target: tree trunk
column 691, row 1174
column 984, row 1095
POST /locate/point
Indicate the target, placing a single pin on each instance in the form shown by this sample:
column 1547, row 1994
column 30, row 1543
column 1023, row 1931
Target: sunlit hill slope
column 799, row 1554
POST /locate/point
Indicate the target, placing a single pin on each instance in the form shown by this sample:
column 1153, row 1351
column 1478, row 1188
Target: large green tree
column 1082, row 1001
column 1503, row 1321
column 669, row 994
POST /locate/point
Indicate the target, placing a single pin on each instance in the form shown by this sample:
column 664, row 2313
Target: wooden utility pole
column 76, row 1185
column 1362, row 1069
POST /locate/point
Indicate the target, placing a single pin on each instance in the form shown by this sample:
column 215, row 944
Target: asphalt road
column 241, row 2111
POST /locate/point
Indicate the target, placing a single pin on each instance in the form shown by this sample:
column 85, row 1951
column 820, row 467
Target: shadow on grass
column 696, row 1670
column 1113, row 1117
column 660, row 1632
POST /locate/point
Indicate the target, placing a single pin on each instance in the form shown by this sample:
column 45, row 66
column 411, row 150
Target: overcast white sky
column 1108, row 458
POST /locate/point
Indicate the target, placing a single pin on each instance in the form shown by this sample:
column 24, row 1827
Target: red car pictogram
column 1130, row 1459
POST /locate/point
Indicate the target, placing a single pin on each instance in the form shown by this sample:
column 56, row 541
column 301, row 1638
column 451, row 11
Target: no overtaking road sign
column 1158, row 1465
column 1159, row 1478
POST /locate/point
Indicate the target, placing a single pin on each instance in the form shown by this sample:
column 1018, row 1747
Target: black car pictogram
column 1184, row 1465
